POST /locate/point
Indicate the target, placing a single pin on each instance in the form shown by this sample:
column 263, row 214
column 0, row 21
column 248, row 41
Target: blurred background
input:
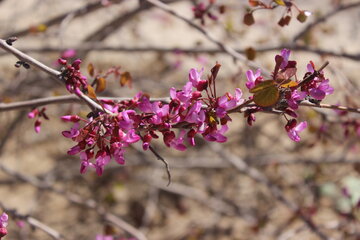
column 257, row 185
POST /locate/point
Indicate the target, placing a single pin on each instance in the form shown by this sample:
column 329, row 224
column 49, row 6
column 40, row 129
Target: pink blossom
column 217, row 135
column 228, row 102
column 295, row 97
column 251, row 78
column 69, row 53
column 4, row 220
column 321, row 90
column 293, row 133
column 285, row 53
column 74, row 131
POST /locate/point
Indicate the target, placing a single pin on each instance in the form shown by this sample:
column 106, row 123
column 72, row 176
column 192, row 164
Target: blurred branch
column 52, row 72
column 59, row 100
column 334, row 107
column 33, row 222
column 206, row 34
column 73, row 99
column 108, row 28
column 93, row 46
column 82, row 11
column 275, row 190
column 74, row 198
column 324, row 18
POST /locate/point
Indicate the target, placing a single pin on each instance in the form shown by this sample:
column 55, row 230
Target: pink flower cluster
column 3, row 224
column 314, row 87
column 195, row 109
column 72, row 76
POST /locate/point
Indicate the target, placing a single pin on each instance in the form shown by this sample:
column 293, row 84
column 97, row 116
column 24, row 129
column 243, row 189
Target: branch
column 275, row 190
column 82, row 11
column 74, row 198
column 33, row 222
column 232, row 52
column 324, row 18
column 52, row 72
column 96, row 46
column 61, row 100
column 334, row 107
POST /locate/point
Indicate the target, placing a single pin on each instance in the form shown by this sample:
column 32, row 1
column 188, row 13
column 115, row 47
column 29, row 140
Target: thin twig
column 74, row 198
column 160, row 158
column 82, row 11
column 33, row 222
column 232, row 52
column 324, row 18
column 96, row 46
column 52, row 72
column 275, row 190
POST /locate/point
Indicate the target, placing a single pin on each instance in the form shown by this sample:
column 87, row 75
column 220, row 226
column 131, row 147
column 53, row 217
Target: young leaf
column 267, row 96
column 91, row 91
column 249, row 19
column 250, row 53
column 125, row 79
column 100, row 84
column 279, row 2
column 90, row 69
column 254, row 3
column 289, row 84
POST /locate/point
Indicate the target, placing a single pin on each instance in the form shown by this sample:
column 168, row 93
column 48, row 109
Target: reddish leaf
column 254, row 3
column 287, row 74
column 250, row 53
column 91, row 91
column 90, row 69
column 125, row 79
column 284, row 21
column 249, row 19
column 100, row 84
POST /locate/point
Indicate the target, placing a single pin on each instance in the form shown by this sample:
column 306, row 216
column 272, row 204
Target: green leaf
column 263, row 85
column 267, row 97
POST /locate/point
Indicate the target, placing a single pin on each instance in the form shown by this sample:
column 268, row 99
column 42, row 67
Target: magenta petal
column 317, row 93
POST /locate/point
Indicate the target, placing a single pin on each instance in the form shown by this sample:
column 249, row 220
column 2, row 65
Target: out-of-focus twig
column 324, row 18
column 33, row 222
column 96, row 46
column 275, row 190
column 82, row 11
column 232, row 52
column 52, row 72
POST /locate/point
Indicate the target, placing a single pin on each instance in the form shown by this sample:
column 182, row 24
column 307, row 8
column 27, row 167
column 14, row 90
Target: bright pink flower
column 74, row 131
column 69, row 53
column 4, row 220
column 196, row 81
column 104, row 237
column 251, row 78
column 217, row 135
column 285, row 53
column 178, row 143
column 295, row 97
column 228, row 102
column 321, row 90
column 293, row 133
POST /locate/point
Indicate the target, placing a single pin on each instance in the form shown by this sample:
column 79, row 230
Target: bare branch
column 324, row 18
column 275, row 190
